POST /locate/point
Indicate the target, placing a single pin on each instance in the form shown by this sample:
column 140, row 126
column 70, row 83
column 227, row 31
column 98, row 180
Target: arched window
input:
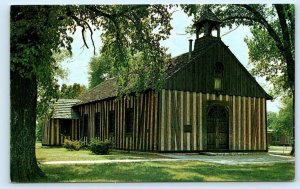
column 218, row 76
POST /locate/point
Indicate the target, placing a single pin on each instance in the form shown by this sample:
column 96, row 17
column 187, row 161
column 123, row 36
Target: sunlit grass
column 183, row 171
column 174, row 171
column 44, row 153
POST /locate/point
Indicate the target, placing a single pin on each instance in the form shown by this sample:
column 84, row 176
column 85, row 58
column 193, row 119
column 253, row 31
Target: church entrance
column 217, row 128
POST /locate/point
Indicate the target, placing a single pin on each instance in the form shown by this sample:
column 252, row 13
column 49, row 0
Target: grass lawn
column 44, row 153
column 167, row 172
column 175, row 171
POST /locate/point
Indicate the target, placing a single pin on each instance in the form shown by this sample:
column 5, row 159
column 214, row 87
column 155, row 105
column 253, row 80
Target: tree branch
column 284, row 28
column 79, row 22
column 99, row 12
column 260, row 19
column 88, row 25
column 286, row 42
column 131, row 8
column 291, row 18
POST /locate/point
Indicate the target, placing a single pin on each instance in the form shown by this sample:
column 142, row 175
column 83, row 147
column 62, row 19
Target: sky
column 177, row 44
column 234, row 40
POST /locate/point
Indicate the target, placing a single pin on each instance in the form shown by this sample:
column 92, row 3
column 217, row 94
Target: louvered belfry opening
column 206, row 26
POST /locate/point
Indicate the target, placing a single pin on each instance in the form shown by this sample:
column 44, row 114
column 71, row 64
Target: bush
column 100, row 147
column 72, row 144
column 84, row 144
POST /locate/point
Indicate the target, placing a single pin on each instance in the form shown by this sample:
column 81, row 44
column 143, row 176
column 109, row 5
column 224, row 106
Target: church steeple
column 206, row 25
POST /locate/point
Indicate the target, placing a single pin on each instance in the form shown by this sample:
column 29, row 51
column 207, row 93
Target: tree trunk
column 23, row 96
column 293, row 139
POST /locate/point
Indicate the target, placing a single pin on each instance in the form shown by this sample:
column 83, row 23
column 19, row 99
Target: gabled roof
column 63, row 109
column 108, row 88
column 177, row 74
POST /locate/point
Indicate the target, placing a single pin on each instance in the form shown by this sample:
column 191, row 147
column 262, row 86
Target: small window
column 97, row 124
column 218, row 84
column 219, row 68
column 85, row 125
column 218, row 75
column 129, row 120
column 187, row 128
column 65, row 127
column 111, row 121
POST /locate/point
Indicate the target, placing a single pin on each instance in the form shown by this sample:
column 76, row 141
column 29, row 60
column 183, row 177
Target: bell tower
column 206, row 27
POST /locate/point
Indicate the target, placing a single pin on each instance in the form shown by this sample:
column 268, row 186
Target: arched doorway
column 217, row 128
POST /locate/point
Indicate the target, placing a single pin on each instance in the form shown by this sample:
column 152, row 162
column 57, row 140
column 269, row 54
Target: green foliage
column 134, row 36
column 140, row 74
column 40, row 38
column 272, row 45
column 39, row 32
column 72, row 144
column 36, row 36
column 281, row 123
column 100, row 69
column 39, row 129
column 100, row 147
column 136, row 75
column 71, row 91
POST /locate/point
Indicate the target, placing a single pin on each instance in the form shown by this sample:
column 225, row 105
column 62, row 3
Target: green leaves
column 131, row 38
column 271, row 47
column 100, row 69
column 282, row 122
column 71, row 91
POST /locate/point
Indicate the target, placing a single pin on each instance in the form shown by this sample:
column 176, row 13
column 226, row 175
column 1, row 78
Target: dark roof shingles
column 106, row 89
column 63, row 109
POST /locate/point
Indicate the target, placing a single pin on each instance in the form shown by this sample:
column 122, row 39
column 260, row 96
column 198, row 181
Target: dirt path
column 228, row 160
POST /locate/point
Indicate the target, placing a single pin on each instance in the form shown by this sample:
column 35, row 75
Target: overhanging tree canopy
column 272, row 47
column 37, row 32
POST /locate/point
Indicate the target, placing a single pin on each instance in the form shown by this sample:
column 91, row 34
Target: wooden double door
column 217, row 128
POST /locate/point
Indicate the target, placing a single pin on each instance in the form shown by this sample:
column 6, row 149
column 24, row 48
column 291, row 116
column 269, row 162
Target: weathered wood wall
column 247, row 121
column 51, row 132
column 145, row 130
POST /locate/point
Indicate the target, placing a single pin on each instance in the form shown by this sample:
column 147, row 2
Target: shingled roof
column 63, row 109
column 106, row 89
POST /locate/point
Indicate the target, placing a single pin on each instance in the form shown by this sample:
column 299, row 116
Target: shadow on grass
column 188, row 171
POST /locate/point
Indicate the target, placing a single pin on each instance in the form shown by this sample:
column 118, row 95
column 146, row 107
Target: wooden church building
column 209, row 102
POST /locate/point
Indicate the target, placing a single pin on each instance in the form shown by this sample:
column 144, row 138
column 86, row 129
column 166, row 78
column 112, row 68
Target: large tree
column 71, row 91
column 37, row 32
column 135, row 75
column 272, row 46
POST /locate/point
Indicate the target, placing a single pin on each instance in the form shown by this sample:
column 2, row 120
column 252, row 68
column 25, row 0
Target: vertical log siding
column 159, row 122
column 246, row 121
column 51, row 132
column 144, row 131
